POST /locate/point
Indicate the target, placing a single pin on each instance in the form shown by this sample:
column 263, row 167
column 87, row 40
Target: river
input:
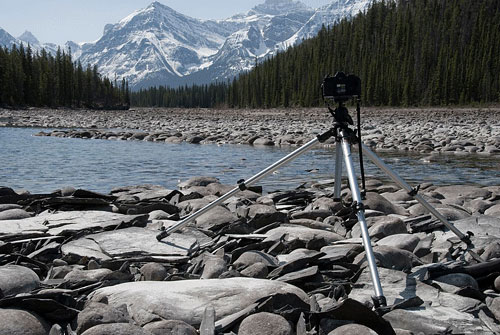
column 44, row 164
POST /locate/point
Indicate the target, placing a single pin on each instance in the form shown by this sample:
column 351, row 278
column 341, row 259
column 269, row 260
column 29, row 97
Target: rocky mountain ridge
column 160, row 46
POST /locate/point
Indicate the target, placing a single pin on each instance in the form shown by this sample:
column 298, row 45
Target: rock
column 352, row 329
column 129, row 242
column 265, row 324
column 186, row 300
column 4, row 207
column 14, row 214
column 256, row 270
column 497, row 284
column 312, row 214
column 78, row 278
column 342, row 251
column 494, row 306
column 170, row 327
column 153, row 271
column 493, row 210
column 213, row 266
column 402, row 241
column 139, row 193
column 459, row 280
column 216, row 218
column 116, row 328
column 159, row 215
column 435, row 320
column 465, row 191
column 301, row 233
column 16, row 279
column 197, row 181
column 391, row 258
column 385, row 226
column 65, row 223
column 96, row 313
column 251, row 257
column 377, row 202
column 20, row 322
column 262, row 141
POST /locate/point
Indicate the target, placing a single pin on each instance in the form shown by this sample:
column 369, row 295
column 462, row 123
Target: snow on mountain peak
column 28, row 37
column 278, row 7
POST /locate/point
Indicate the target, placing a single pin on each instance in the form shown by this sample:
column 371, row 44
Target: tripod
column 344, row 138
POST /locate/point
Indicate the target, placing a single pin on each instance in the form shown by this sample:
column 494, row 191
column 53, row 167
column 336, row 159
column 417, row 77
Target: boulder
column 402, row 241
column 170, row 327
column 301, row 233
column 116, row 328
column 352, row 329
column 64, row 223
column 197, row 181
column 96, row 313
column 15, row 279
column 186, row 300
column 377, row 202
column 129, row 242
column 153, row 271
column 256, row 270
column 458, row 279
column 14, row 214
column 215, row 218
column 77, row 277
column 391, row 258
column 464, row 191
column 265, row 324
column 251, row 257
column 20, row 322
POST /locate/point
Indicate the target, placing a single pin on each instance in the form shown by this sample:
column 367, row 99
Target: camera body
column 341, row 87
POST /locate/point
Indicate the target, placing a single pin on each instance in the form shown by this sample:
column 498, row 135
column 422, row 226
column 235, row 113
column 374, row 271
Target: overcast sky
column 58, row 21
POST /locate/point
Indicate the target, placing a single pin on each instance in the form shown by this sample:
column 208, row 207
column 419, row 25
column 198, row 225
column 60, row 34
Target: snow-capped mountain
column 27, row 38
column 6, row 39
column 326, row 15
column 159, row 46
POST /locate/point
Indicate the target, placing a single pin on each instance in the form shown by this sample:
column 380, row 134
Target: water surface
column 43, row 164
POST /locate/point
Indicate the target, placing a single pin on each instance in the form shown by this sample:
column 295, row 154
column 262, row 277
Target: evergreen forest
column 42, row 80
column 406, row 52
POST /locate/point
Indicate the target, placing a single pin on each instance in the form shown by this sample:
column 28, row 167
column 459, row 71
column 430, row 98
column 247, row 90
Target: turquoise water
column 43, row 164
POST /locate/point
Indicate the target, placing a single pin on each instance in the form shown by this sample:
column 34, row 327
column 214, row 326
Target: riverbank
column 76, row 261
column 465, row 130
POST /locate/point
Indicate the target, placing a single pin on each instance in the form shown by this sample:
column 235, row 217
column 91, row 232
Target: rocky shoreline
column 288, row 262
column 457, row 131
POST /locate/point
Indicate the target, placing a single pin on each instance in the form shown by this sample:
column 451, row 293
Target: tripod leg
column 413, row 192
column 243, row 185
column 379, row 298
column 338, row 171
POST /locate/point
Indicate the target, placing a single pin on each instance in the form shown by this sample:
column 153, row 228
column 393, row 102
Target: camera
column 341, row 87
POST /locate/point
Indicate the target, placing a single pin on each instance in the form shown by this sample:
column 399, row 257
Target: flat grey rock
column 24, row 227
column 436, row 320
column 402, row 241
column 15, row 279
column 186, row 300
column 301, row 233
column 14, row 214
column 465, row 191
column 130, row 242
column 139, row 193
